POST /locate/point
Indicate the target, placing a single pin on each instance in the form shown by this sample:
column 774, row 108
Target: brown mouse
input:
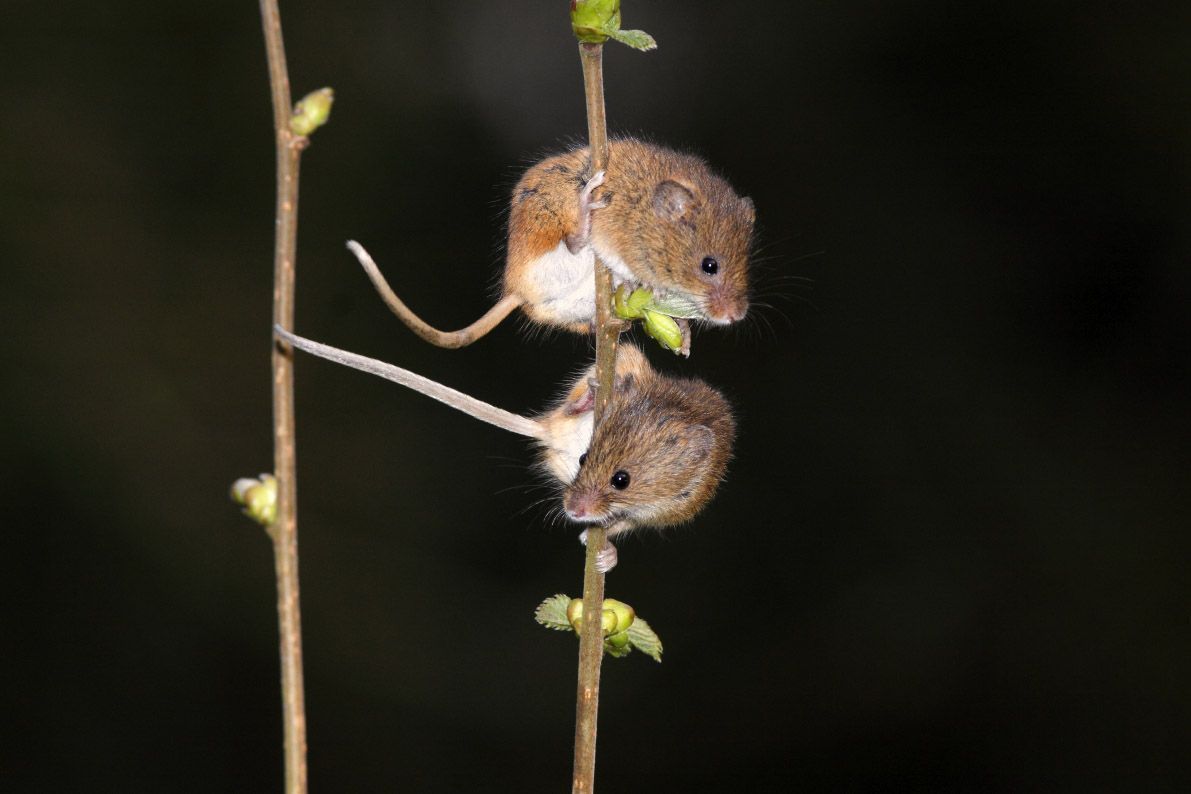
column 655, row 460
column 657, row 217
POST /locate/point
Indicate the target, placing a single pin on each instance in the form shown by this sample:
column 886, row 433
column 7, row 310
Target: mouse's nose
column 581, row 506
column 725, row 307
column 737, row 312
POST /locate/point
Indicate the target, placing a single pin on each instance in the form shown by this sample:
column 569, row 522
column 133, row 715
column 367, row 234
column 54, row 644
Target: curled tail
column 452, row 339
column 444, row 394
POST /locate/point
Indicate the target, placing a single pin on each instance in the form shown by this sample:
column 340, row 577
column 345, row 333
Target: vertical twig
column 284, row 530
column 591, row 638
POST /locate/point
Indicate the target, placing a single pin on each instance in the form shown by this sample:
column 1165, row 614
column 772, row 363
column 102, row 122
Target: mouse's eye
column 620, row 480
column 710, row 265
column 583, row 459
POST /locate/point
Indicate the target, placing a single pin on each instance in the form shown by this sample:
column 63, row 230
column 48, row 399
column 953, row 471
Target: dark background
column 952, row 551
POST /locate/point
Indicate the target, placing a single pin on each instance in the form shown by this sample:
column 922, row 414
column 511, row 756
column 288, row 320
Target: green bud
column 660, row 324
column 623, row 613
column 312, row 112
column 620, row 304
column 259, row 498
column 619, row 649
column 663, row 328
column 639, row 300
column 631, row 305
column 620, row 640
column 615, row 617
column 595, row 20
column 575, row 613
column 623, row 630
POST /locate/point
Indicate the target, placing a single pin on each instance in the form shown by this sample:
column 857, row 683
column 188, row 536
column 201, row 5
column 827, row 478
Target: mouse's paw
column 685, row 328
column 606, row 559
column 585, row 202
column 581, row 237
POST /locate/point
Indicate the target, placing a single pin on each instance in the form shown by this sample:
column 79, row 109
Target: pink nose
column 728, row 313
column 579, row 505
column 725, row 307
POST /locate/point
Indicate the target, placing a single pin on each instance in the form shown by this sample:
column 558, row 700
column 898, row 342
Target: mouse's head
column 707, row 231
column 656, row 458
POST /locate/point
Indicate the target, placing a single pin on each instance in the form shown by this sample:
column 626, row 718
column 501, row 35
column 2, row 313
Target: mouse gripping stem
column 580, row 239
column 608, row 557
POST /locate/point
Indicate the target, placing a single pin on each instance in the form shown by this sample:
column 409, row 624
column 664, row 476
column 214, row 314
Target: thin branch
column 284, row 530
column 591, row 638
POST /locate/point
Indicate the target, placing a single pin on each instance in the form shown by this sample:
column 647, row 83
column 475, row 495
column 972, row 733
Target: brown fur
column 665, row 211
column 673, row 436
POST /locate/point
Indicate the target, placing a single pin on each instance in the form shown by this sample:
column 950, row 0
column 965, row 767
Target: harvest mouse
column 656, row 460
column 661, row 219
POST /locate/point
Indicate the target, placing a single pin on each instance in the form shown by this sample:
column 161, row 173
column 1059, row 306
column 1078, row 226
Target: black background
column 951, row 554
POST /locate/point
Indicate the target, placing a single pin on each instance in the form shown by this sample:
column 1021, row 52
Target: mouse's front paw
column 607, row 557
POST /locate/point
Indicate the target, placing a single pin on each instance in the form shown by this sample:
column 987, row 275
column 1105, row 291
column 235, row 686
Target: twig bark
column 284, row 530
column 591, row 638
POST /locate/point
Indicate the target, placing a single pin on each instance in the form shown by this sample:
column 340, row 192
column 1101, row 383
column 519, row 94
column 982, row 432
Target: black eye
column 620, row 480
column 710, row 265
column 583, row 459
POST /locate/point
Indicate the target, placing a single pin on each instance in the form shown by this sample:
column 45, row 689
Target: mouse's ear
column 581, row 398
column 674, row 202
column 632, row 368
column 749, row 209
column 701, row 440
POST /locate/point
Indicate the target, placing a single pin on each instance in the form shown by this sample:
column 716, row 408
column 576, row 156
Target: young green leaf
column 676, row 305
column 552, row 613
column 643, row 638
column 637, row 39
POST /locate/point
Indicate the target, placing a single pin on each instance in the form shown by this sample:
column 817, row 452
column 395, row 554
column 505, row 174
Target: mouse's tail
column 461, row 338
column 444, row 394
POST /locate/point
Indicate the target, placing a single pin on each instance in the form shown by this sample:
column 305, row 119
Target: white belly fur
column 564, row 283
